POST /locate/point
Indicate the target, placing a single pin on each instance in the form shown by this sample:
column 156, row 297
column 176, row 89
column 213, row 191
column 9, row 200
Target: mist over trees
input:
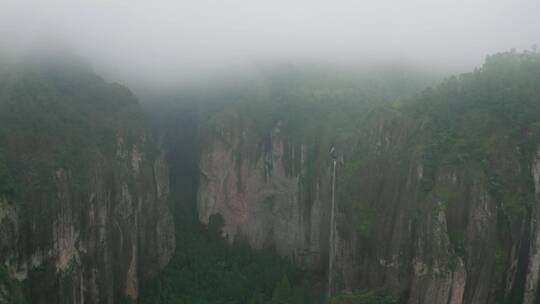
column 110, row 110
column 156, row 45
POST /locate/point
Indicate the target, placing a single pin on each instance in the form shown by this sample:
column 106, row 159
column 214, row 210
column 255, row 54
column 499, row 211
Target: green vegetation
column 206, row 269
column 364, row 297
column 309, row 103
column 284, row 294
column 484, row 124
column 364, row 219
column 486, row 121
column 54, row 116
column 12, row 291
column 8, row 186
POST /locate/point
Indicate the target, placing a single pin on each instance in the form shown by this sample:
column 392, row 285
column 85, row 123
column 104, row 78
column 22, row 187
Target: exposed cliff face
column 445, row 246
column 105, row 236
column 533, row 269
column 436, row 247
column 438, row 202
column 88, row 220
column 259, row 188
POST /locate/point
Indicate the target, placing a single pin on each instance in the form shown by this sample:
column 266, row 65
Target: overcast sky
column 166, row 40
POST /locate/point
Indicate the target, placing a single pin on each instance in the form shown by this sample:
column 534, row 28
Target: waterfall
column 331, row 250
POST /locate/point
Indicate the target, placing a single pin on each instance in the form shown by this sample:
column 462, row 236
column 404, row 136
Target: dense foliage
column 485, row 124
column 363, row 297
column 12, row 291
column 53, row 115
column 478, row 119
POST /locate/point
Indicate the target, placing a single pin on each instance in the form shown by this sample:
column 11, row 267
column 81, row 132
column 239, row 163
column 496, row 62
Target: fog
column 163, row 42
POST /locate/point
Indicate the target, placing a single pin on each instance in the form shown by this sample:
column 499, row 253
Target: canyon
column 430, row 194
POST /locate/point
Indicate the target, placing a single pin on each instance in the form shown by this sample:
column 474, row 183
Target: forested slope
column 83, row 187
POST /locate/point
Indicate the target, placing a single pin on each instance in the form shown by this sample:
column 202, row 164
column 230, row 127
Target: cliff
column 259, row 187
column 437, row 197
column 83, row 201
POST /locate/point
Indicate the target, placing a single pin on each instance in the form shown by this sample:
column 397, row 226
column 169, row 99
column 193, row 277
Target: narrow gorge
column 299, row 185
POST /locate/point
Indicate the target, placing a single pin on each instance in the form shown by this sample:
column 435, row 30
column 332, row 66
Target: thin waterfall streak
column 331, row 251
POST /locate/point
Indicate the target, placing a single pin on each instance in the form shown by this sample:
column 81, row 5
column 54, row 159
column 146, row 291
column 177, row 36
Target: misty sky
column 165, row 41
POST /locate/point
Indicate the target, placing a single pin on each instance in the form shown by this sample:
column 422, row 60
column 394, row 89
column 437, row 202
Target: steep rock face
column 88, row 219
column 258, row 185
column 453, row 243
column 436, row 247
column 437, row 198
column 533, row 269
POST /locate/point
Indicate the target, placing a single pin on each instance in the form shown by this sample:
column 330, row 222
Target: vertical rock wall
column 451, row 244
column 93, row 242
column 259, row 188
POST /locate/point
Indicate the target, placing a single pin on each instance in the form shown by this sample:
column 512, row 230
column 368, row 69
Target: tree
column 283, row 292
column 363, row 297
column 298, row 296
